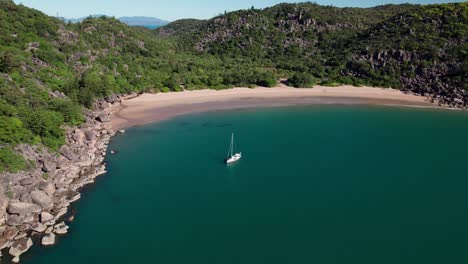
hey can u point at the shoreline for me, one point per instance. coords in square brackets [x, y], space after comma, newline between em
[150, 108]
[37, 209]
[39, 206]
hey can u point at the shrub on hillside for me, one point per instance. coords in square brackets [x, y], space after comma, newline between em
[11, 161]
[301, 80]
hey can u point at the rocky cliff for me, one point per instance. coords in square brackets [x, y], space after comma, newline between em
[34, 203]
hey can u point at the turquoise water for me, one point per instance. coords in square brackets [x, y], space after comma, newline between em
[327, 185]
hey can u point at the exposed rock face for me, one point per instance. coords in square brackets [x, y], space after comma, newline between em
[67, 152]
[113, 99]
[79, 137]
[61, 229]
[46, 217]
[25, 198]
[3, 205]
[49, 166]
[37, 199]
[90, 135]
[38, 227]
[27, 181]
[19, 247]
[23, 208]
[103, 117]
[47, 187]
[10, 232]
[15, 220]
[42, 199]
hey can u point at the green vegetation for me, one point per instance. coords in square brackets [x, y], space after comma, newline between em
[10, 161]
[422, 49]
[301, 80]
[50, 71]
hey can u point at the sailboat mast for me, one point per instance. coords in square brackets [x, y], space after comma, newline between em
[232, 144]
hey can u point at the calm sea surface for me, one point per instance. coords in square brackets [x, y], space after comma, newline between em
[325, 185]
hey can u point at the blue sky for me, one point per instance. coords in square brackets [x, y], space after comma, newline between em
[176, 9]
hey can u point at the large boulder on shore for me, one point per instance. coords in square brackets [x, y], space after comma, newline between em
[67, 152]
[19, 247]
[27, 181]
[42, 199]
[24, 197]
[103, 117]
[79, 136]
[10, 232]
[48, 240]
[90, 134]
[15, 220]
[49, 166]
[112, 99]
[47, 187]
[46, 217]
[38, 227]
[23, 208]
[61, 228]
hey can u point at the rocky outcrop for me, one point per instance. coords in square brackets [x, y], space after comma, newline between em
[103, 117]
[42, 199]
[38, 227]
[19, 247]
[48, 240]
[61, 229]
[38, 199]
[15, 220]
[47, 187]
[67, 152]
[23, 208]
[46, 218]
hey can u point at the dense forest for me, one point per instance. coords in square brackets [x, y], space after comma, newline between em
[421, 49]
[52, 71]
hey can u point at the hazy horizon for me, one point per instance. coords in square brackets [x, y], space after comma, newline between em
[179, 9]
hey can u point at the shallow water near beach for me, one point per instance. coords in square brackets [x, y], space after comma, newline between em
[319, 184]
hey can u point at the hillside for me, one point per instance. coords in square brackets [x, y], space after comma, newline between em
[52, 72]
[415, 48]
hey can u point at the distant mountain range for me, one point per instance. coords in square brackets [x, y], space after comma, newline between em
[149, 22]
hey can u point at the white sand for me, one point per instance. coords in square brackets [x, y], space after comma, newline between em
[149, 108]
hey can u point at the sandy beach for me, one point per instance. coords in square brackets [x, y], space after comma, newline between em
[149, 108]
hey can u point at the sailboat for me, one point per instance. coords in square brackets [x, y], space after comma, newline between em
[231, 156]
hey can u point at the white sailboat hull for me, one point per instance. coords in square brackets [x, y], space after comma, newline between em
[234, 158]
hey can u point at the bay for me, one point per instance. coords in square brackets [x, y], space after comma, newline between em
[333, 184]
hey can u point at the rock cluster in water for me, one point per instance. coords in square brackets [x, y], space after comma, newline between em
[34, 203]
